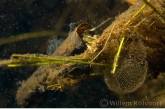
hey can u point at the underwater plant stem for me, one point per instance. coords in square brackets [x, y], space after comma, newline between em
[128, 22]
[24, 60]
[117, 56]
[115, 63]
[4, 62]
[31, 35]
[155, 10]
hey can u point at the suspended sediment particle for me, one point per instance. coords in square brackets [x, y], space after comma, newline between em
[131, 74]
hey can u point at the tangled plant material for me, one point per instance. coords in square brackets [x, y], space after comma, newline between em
[147, 27]
[150, 31]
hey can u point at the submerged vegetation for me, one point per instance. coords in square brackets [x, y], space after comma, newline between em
[129, 50]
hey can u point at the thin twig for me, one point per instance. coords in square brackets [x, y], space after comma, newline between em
[155, 10]
[104, 44]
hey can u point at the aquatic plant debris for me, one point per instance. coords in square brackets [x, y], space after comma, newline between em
[139, 26]
[143, 49]
[48, 75]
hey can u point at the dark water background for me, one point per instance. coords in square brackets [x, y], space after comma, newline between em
[23, 16]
